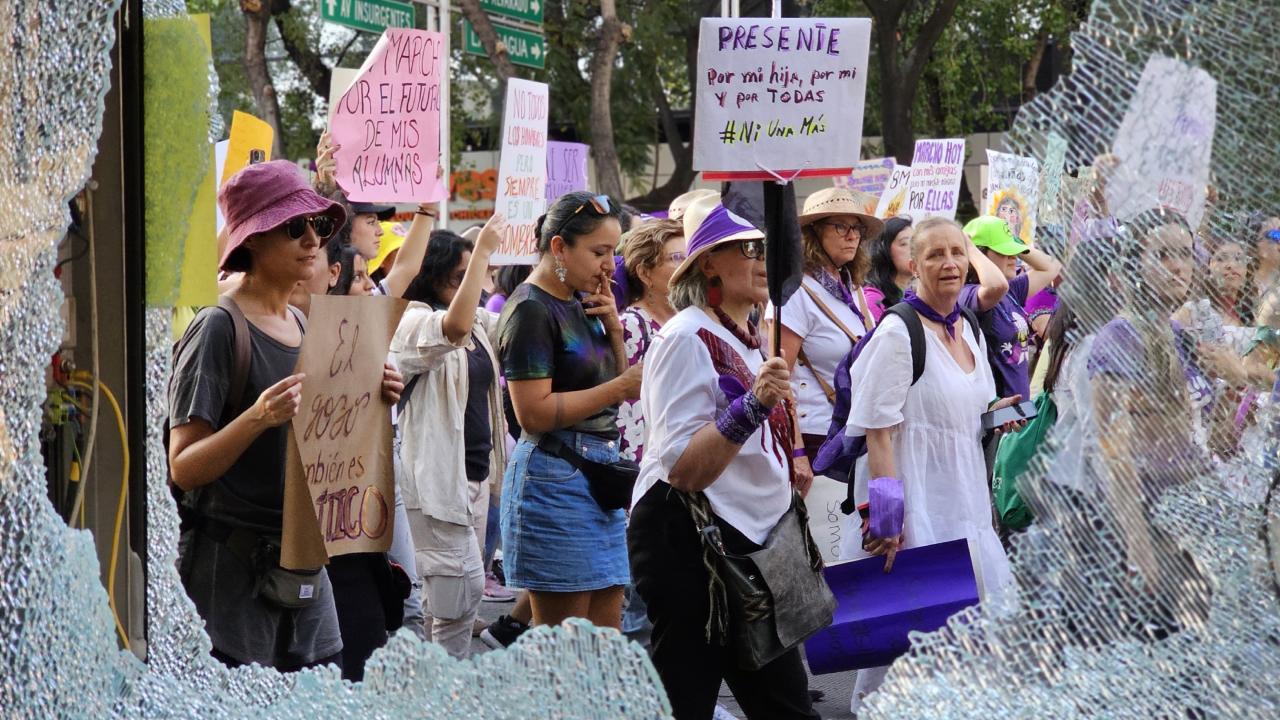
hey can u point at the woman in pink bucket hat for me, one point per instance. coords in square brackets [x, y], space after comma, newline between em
[229, 429]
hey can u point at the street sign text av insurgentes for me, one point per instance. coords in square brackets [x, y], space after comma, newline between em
[369, 15]
[524, 47]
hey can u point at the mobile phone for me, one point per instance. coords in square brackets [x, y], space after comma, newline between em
[1024, 410]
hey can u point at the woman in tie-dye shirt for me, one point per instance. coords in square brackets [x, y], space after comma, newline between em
[562, 351]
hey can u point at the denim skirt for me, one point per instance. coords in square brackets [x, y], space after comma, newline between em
[555, 538]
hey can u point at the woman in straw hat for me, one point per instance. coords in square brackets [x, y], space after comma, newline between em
[716, 424]
[829, 314]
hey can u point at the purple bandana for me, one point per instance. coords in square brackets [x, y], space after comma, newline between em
[949, 322]
[718, 225]
[840, 288]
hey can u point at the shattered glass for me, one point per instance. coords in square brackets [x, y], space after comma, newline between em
[1147, 581]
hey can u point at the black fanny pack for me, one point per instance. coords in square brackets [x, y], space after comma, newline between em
[610, 483]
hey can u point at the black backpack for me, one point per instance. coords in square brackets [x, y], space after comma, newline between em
[839, 452]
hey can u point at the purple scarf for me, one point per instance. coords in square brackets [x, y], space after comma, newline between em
[840, 289]
[949, 322]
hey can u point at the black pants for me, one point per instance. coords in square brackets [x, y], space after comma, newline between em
[668, 573]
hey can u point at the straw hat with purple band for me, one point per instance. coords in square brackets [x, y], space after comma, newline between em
[830, 202]
[265, 196]
[707, 224]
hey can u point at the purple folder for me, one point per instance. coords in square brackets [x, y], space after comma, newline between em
[875, 610]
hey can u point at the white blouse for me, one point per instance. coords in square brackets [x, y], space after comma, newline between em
[937, 446]
[679, 395]
[824, 345]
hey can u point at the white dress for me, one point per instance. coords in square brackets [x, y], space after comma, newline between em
[937, 446]
[937, 452]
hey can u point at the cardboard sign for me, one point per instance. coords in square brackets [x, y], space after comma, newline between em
[250, 140]
[388, 122]
[936, 170]
[1165, 142]
[522, 170]
[566, 168]
[342, 436]
[1013, 189]
[784, 94]
[893, 200]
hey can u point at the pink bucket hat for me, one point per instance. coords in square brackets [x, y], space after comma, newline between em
[265, 196]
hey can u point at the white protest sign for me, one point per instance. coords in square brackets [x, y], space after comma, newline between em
[1013, 189]
[387, 123]
[783, 93]
[826, 522]
[1055, 160]
[522, 170]
[340, 80]
[220, 159]
[893, 200]
[869, 176]
[1165, 142]
[936, 170]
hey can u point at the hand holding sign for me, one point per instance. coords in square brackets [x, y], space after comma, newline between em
[387, 125]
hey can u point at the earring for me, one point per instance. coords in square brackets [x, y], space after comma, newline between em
[714, 294]
[561, 271]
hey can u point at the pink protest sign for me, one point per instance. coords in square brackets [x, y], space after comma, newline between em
[566, 168]
[388, 122]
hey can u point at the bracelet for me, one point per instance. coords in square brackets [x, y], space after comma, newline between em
[742, 418]
[428, 213]
[799, 453]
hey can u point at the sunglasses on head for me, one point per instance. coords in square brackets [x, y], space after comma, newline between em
[322, 224]
[598, 203]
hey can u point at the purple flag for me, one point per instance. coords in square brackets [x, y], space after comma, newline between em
[875, 610]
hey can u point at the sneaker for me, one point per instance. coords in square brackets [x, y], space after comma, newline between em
[502, 632]
[478, 627]
[495, 592]
[496, 570]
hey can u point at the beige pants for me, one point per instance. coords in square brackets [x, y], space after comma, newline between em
[452, 569]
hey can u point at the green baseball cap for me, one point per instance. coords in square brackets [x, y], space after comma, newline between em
[992, 232]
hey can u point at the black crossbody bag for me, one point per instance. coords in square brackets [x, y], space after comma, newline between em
[610, 483]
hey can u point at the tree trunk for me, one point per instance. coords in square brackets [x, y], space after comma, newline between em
[257, 15]
[900, 72]
[603, 151]
[317, 74]
[1033, 67]
[494, 47]
[682, 175]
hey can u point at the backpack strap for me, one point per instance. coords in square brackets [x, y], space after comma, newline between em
[242, 353]
[832, 316]
[915, 333]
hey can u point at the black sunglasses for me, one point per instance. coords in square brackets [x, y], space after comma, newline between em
[599, 203]
[322, 224]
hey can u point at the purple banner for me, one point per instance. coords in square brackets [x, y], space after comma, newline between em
[566, 168]
[875, 610]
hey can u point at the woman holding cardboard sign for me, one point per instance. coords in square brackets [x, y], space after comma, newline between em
[565, 361]
[229, 425]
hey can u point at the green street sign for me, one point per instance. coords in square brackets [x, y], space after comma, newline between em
[524, 47]
[368, 15]
[529, 11]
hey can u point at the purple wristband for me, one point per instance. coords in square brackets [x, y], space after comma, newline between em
[886, 505]
[799, 452]
[742, 418]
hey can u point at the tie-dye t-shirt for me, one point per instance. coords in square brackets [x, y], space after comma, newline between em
[541, 336]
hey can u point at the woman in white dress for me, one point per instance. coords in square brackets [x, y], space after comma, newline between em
[928, 435]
